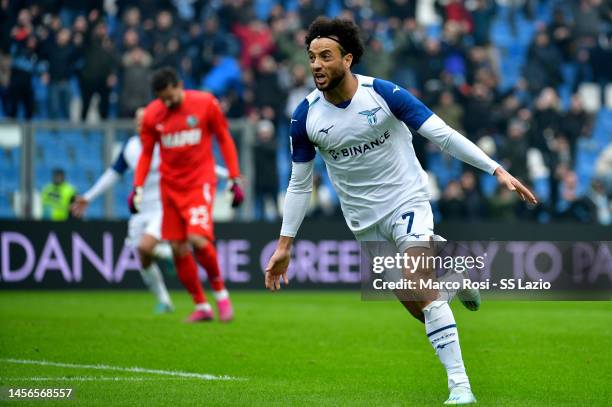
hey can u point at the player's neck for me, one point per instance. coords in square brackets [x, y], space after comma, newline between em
[345, 90]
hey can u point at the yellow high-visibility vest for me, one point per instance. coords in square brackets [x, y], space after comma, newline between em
[56, 201]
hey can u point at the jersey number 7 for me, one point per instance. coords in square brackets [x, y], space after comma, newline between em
[410, 216]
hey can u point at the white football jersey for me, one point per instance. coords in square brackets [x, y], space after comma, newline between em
[128, 158]
[366, 146]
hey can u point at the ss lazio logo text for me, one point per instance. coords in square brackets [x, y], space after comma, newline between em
[371, 115]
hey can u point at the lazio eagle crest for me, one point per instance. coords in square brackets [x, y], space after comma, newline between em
[371, 115]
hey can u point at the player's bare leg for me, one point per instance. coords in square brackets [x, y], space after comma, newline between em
[206, 254]
[441, 330]
[151, 274]
[187, 271]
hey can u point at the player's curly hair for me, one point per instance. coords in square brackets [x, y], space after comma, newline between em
[164, 77]
[345, 32]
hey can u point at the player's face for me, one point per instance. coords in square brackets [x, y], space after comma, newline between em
[328, 65]
[172, 96]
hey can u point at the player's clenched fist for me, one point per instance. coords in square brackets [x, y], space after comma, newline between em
[277, 269]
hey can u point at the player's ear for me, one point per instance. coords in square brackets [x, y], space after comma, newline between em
[347, 60]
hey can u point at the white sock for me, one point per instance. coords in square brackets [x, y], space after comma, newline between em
[155, 282]
[221, 294]
[442, 333]
[203, 307]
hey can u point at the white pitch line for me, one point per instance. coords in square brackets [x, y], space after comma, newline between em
[84, 379]
[134, 369]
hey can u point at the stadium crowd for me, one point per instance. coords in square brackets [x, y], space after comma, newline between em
[250, 54]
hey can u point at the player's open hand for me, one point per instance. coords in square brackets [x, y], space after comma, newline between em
[79, 206]
[277, 269]
[506, 179]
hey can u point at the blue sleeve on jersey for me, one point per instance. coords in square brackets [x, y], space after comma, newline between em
[402, 103]
[120, 165]
[302, 149]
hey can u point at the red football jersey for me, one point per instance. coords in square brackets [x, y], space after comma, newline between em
[184, 134]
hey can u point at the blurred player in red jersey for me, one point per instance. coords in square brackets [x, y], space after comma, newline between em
[183, 122]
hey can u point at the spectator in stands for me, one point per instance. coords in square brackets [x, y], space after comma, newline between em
[514, 152]
[308, 10]
[99, 73]
[454, 12]
[131, 21]
[408, 40]
[430, 65]
[166, 45]
[57, 197]
[453, 205]
[601, 202]
[25, 64]
[571, 205]
[546, 120]
[62, 57]
[560, 32]
[478, 117]
[377, 61]
[256, 42]
[502, 206]
[543, 68]
[482, 16]
[135, 90]
[402, 9]
[266, 177]
[587, 21]
[574, 121]
[6, 15]
[301, 86]
[472, 197]
[449, 111]
[269, 96]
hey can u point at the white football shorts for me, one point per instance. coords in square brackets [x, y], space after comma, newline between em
[148, 222]
[409, 225]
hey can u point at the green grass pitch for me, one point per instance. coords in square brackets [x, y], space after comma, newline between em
[302, 348]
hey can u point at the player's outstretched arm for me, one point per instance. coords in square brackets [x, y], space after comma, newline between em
[452, 142]
[415, 114]
[106, 181]
[506, 179]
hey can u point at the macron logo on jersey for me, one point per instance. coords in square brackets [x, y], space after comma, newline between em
[326, 130]
[182, 138]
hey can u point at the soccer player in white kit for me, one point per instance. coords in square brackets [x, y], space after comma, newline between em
[359, 126]
[144, 227]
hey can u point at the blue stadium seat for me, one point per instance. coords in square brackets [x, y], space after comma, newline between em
[6, 209]
[96, 209]
[488, 185]
[9, 182]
